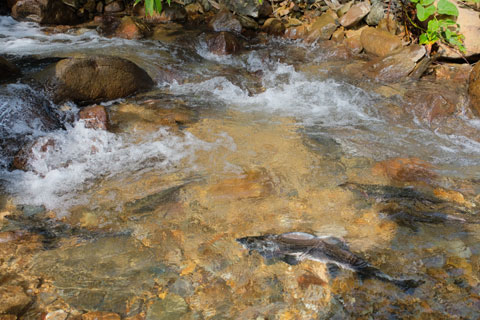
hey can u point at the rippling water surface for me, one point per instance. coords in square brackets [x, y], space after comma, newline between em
[145, 216]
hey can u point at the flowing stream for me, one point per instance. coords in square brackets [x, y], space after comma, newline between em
[261, 142]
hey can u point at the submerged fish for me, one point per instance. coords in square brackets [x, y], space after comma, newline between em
[294, 247]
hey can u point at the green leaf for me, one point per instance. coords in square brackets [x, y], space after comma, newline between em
[158, 6]
[426, 2]
[414, 1]
[433, 25]
[136, 2]
[423, 13]
[149, 7]
[446, 7]
[423, 39]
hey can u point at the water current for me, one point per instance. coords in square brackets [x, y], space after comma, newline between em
[265, 141]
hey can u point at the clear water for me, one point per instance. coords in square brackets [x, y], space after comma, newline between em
[264, 149]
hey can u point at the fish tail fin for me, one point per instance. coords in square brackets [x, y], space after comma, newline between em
[408, 284]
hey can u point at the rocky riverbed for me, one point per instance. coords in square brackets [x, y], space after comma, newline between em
[136, 150]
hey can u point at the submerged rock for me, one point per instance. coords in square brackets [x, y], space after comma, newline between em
[14, 299]
[32, 151]
[100, 315]
[95, 117]
[71, 79]
[8, 70]
[474, 89]
[45, 12]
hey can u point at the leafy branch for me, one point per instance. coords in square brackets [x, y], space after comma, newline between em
[439, 27]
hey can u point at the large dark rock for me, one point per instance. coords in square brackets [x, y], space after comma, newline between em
[45, 12]
[7, 70]
[93, 79]
[223, 43]
[474, 89]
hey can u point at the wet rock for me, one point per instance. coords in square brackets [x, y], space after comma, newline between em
[274, 27]
[107, 25]
[224, 20]
[250, 8]
[8, 70]
[474, 89]
[379, 42]
[14, 299]
[395, 66]
[253, 185]
[356, 13]
[31, 152]
[223, 43]
[113, 7]
[131, 28]
[170, 308]
[8, 317]
[322, 29]
[376, 13]
[469, 21]
[100, 315]
[45, 12]
[295, 33]
[405, 170]
[95, 117]
[56, 315]
[431, 106]
[70, 79]
[456, 72]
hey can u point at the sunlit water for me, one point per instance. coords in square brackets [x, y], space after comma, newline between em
[263, 149]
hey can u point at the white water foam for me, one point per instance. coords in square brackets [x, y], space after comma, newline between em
[80, 156]
[27, 38]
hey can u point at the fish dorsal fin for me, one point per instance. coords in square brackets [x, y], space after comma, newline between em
[297, 236]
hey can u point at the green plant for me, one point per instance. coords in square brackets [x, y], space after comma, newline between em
[440, 27]
[152, 6]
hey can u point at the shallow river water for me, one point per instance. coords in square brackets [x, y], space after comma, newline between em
[271, 140]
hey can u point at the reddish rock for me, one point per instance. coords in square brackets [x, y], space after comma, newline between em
[338, 35]
[454, 71]
[274, 27]
[115, 77]
[95, 117]
[14, 299]
[379, 42]
[474, 89]
[115, 6]
[100, 315]
[30, 152]
[405, 170]
[44, 11]
[354, 44]
[322, 29]
[295, 33]
[356, 13]
[223, 43]
[224, 20]
[131, 28]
